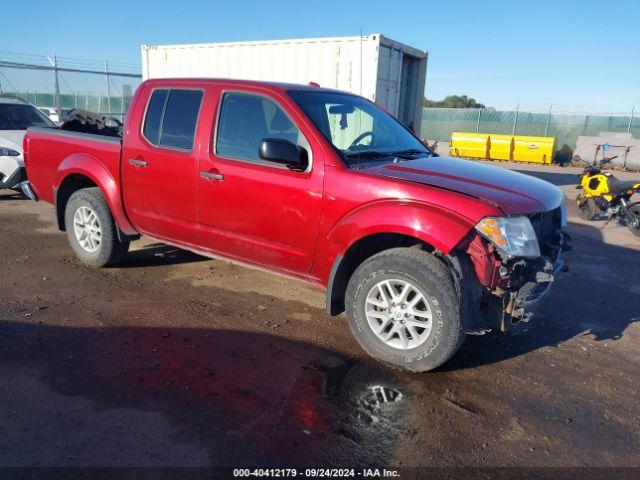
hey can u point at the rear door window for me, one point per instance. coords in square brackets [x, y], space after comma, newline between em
[153, 118]
[180, 119]
[172, 116]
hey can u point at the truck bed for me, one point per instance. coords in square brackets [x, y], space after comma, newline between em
[49, 151]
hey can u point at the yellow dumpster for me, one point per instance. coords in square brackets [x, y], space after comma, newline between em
[518, 148]
[500, 147]
[533, 149]
[470, 145]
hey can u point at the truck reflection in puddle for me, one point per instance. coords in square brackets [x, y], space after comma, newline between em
[350, 412]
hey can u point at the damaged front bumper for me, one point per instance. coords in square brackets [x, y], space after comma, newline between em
[530, 282]
[509, 291]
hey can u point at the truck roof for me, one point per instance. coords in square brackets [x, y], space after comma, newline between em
[276, 86]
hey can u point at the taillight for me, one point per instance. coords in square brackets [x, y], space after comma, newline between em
[25, 149]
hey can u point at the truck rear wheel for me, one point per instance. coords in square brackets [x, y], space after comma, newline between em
[402, 308]
[91, 229]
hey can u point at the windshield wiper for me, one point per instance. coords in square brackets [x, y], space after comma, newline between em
[367, 154]
[410, 151]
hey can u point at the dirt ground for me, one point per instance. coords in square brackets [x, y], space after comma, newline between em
[176, 360]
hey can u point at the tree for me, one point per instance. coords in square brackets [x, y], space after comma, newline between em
[453, 101]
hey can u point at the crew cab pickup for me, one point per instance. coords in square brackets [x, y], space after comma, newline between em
[317, 184]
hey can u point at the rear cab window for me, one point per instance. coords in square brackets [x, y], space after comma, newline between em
[171, 118]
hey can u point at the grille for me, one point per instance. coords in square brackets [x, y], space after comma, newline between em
[546, 224]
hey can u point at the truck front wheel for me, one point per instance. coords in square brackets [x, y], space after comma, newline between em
[402, 308]
[91, 229]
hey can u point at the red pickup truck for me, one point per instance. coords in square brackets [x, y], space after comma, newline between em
[317, 184]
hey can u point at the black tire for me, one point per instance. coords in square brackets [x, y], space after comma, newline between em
[110, 249]
[635, 211]
[431, 277]
[586, 207]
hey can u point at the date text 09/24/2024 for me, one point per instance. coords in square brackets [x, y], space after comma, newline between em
[315, 473]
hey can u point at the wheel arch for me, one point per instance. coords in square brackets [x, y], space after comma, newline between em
[382, 226]
[69, 185]
[344, 265]
[73, 175]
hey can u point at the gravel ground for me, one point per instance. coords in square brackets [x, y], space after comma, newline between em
[177, 360]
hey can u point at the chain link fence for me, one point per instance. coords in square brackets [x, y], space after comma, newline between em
[59, 84]
[438, 123]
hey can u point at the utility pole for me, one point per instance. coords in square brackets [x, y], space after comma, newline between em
[57, 86]
[630, 119]
[546, 128]
[515, 119]
[106, 71]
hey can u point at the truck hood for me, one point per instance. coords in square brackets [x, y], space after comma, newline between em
[12, 139]
[514, 193]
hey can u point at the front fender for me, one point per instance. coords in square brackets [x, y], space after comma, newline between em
[92, 168]
[434, 225]
[441, 228]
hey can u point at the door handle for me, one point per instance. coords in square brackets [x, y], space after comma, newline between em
[138, 163]
[212, 176]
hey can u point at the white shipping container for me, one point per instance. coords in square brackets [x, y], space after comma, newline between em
[385, 71]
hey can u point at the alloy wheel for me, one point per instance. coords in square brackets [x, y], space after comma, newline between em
[398, 314]
[86, 227]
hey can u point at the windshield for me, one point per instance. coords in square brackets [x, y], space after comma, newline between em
[361, 131]
[18, 116]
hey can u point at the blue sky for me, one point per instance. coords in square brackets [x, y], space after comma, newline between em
[575, 55]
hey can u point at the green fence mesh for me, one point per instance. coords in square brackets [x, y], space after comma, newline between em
[93, 103]
[438, 123]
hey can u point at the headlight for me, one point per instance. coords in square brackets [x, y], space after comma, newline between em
[513, 235]
[8, 152]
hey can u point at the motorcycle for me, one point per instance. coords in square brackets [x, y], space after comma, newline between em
[604, 193]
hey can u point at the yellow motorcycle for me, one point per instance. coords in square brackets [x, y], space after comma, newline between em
[604, 193]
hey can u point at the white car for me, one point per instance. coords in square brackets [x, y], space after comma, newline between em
[15, 117]
[52, 113]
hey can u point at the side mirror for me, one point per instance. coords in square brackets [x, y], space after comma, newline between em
[282, 151]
